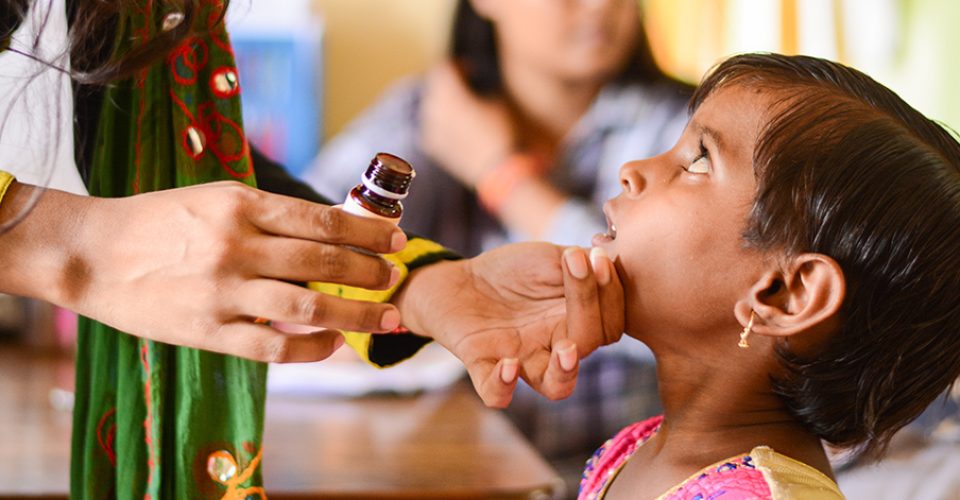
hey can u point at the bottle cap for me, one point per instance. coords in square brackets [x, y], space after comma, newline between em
[389, 176]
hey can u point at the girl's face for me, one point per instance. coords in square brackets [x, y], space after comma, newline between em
[570, 39]
[676, 228]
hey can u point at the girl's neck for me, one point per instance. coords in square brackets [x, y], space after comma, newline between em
[715, 412]
[546, 107]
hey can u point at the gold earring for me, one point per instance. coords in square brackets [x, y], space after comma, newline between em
[743, 344]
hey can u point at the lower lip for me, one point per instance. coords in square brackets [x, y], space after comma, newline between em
[601, 239]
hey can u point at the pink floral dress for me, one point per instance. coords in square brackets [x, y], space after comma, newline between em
[736, 478]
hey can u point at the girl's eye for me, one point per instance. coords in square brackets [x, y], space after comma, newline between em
[700, 164]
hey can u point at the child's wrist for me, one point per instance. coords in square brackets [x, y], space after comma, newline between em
[498, 183]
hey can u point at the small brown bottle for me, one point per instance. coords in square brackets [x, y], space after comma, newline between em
[382, 187]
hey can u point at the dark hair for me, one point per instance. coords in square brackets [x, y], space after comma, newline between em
[473, 44]
[94, 27]
[11, 16]
[847, 169]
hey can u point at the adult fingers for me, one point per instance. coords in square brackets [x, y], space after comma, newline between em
[495, 382]
[611, 295]
[263, 343]
[584, 319]
[301, 219]
[302, 260]
[279, 301]
[560, 378]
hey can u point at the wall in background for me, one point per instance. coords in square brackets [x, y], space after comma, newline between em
[368, 44]
[906, 44]
[909, 45]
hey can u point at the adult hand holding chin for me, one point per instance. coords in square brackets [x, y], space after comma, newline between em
[529, 310]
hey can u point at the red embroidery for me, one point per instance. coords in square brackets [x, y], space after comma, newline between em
[249, 447]
[106, 433]
[224, 137]
[215, 18]
[190, 56]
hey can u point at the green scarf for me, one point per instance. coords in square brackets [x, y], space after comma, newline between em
[151, 420]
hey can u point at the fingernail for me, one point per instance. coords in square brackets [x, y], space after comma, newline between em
[601, 265]
[398, 241]
[390, 320]
[338, 342]
[394, 277]
[568, 357]
[576, 262]
[508, 371]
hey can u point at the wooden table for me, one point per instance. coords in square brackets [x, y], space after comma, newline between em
[438, 445]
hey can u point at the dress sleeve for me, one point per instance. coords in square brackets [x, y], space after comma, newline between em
[386, 350]
[5, 180]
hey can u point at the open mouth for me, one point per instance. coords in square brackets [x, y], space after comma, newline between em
[608, 236]
[611, 227]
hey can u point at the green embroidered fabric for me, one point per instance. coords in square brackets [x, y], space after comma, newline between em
[152, 420]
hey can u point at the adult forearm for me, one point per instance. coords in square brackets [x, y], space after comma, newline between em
[197, 266]
[42, 255]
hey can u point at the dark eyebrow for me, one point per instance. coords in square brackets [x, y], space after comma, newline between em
[715, 136]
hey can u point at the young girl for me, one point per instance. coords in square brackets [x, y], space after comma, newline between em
[809, 209]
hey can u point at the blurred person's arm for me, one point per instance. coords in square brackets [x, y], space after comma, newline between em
[474, 139]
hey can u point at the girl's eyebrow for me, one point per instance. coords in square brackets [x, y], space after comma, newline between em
[714, 135]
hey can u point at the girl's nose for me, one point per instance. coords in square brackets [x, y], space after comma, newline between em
[631, 178]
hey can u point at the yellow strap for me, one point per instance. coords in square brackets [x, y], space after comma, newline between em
[416, 249]
[5, 180]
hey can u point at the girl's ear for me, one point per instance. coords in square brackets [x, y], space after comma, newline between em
[801, 296]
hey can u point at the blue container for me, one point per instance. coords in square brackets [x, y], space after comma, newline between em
[281, 75]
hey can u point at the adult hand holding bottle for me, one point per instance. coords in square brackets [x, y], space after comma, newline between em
[196, 266]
